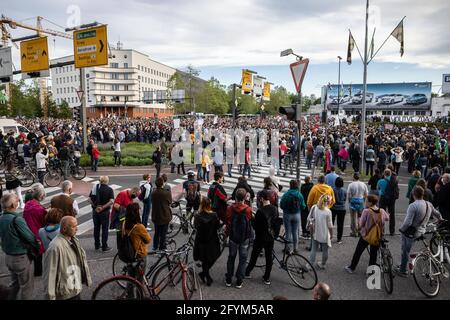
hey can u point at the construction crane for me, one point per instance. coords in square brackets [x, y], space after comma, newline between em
[6, 22]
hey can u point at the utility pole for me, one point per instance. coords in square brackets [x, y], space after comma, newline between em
[339, 83]
[83, 107]
[363, 113]
[299, 130]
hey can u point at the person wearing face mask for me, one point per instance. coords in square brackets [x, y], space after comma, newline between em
[123, 199]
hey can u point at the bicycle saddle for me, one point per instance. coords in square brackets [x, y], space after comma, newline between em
[175, 204]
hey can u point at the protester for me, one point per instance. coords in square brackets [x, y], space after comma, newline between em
[64, 202]
[356, 194]
[145, 195]
[161, 214]
[338, 210]
[52, 226]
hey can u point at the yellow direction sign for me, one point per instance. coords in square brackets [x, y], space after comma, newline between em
[90, 47]
[247, 81]
[34, 55]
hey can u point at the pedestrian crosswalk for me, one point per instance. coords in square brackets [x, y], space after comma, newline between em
[256, 181]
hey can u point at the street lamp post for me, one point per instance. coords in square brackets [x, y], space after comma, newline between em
[339, 83]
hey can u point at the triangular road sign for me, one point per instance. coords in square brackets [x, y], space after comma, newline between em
[80, 94]
[298, 70]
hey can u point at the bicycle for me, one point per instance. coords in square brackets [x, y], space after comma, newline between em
[125, 287]
[77, 172]
[429, 267]
[386, 263]
[180, 221]
[120, 268]
[299, 269]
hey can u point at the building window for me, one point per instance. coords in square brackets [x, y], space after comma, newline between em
[125, 64]
[114, 76]
[125, 76]
[139, 67]
[114, 65]
[115, 87]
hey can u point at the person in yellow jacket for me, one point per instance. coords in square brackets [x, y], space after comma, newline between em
[318, 190]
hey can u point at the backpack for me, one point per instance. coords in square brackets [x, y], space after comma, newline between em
[293, 204]
[240, 229]
[154, 156]
[125, 247]
[374, 235]
[192, 192]
[142, 192]
[211, 196]
[392, 191]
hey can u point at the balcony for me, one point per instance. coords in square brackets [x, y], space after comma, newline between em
[114, 104]
[103, 92]
[114, 81]
[114, 70]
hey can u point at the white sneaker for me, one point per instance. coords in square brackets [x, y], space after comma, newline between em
[347, 268]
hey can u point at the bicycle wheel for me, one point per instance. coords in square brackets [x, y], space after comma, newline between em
[426, 275]
[52, 178]
[112, 289]
[301, 271]
[191, 286]
[165, 282]
[174, 226]
[386, 269]
[27, 178]
[77, 172]
[119, 268]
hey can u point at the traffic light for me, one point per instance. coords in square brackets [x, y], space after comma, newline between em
[324, 117]
[76, 113]
[290, 112]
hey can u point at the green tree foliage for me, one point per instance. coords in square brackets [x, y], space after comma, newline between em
[213, 98]
[278, 97]
[65, 112]
[176, 82]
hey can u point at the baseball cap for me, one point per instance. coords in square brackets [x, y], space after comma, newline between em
[191, 173]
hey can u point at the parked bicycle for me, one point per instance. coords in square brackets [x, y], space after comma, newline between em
[181, 221]
[428, 267]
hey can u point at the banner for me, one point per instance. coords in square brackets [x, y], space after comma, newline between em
[257, 86]
[246, 81]
[176, 123]
[266, 93]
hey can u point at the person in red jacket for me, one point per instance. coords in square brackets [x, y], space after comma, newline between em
[95, 156]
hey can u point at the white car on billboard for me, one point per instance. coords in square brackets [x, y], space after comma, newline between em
[392, 98]
[357, 98]
[343, 99]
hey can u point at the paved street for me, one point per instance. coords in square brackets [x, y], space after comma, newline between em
[345, 286]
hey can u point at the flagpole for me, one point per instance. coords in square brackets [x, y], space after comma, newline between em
[373, 56]
[363, 113]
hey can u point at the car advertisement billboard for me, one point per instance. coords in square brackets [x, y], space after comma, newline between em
[381, 95]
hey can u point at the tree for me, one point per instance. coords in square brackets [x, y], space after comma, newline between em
[176, 82]
[52, 108]
[65, 112]
[278, 97]
[213, 98]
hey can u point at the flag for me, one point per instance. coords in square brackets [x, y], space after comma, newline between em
[351, 45]
[398, 34]
[437, 144]
[372, 45]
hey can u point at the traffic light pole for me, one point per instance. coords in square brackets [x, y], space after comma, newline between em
[83, 107]
[234, 106]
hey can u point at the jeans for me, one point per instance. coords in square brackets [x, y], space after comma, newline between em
[340, 214]
[41, 175]
[101, 221]
[230, 167]
[360, 247]
[397, 167]
[22, 278]
[158, 169]
[218, 168]
[146, 211]
[257, 247]
[390, 208]
[343, 165]
[65, 165]
[181, 165]
[309, 161]
[92, 163]
[243, 251]
[369, 167]
[205, 175]
[291, 224]
[117, 158]
[324, 247]
[406, 249]
[159, 239]
[304, 219]
[95, 165]
[199, 171]
[246, 169]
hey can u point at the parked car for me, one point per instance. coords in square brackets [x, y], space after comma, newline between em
[10, 125]
[417, 98]
[393, 98]
[343, 99]
[357, 98]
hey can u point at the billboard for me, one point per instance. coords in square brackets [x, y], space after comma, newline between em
[381, 95]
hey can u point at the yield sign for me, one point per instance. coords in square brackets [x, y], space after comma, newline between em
[80, 94]
[298, 70]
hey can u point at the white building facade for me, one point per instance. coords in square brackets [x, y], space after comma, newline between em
[114, 89]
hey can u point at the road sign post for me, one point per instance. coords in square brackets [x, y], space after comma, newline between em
[6, 67]
[298, 70]
[90, 47]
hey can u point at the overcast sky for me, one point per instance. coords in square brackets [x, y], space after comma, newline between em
[221, 38]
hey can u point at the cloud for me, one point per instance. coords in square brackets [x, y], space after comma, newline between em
[253, 32]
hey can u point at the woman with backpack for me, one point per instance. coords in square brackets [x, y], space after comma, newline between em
[207, 243]
[321, 228]
[372, 217]
[293, 205]
[338, 209]
[138, 235]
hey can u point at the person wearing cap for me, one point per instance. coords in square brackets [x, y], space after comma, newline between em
[191, 192]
